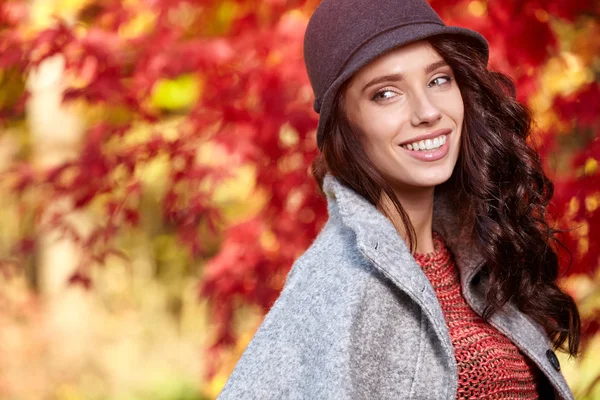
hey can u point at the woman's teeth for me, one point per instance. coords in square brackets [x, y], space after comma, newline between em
[429, 144]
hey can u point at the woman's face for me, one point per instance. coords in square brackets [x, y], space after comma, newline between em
[410, 111]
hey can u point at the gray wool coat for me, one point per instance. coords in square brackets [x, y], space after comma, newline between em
[358, 319]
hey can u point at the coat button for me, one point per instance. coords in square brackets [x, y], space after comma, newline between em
[553, 359]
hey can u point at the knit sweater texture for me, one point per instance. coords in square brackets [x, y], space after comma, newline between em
[489, 365]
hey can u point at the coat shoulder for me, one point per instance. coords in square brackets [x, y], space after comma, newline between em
[309, 344]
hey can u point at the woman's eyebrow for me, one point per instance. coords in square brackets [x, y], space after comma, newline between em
[400, 76]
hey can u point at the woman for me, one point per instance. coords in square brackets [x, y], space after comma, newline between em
[435, 274]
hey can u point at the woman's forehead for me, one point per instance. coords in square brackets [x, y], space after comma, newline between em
[414, 57]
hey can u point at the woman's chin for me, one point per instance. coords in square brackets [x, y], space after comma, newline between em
[425, 177]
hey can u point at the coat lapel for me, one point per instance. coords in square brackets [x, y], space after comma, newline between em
[379, 241]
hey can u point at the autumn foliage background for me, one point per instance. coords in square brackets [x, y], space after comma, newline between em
[155, 187]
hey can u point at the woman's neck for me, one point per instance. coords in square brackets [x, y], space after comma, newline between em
[418, 204]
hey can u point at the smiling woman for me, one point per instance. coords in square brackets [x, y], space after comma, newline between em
[410, 99]
[435, 274]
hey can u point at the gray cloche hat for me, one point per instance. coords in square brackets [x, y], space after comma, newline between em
[344, 35]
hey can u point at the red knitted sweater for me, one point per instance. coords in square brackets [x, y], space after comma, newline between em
[489, 364]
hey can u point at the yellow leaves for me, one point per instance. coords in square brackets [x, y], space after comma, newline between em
[223, 16]
[591, 166]
[210, 153]
[155, 176]
[583, 245]
[226, 11]
[562, 75]
[576, 74]
[132, 3]
[180, 93]
[167, 248]
[237, 196]
[70, 5]
[142, 23]
[98, 112]
[42, 12]
[582, 232]
[580, 286]
[567, 72]
[184, 15]
[592, 202]
[291, 163]
[581, 229]
[582, 373]
[268, 241]
[573, 207]
[294, 201]
[288, 136]
[477, 8]
[237, 188]
[275, 57]
[580, 38]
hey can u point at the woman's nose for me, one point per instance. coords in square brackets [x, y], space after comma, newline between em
[424, 111]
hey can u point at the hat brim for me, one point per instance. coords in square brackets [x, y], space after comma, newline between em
[382, 44]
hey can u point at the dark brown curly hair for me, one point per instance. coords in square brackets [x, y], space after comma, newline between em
[500, 183]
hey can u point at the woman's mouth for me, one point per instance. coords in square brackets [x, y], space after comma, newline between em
[426, 145]
[429, 149]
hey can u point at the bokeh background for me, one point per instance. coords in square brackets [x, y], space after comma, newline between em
[155, 187]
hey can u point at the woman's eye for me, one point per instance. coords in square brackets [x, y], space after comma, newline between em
[379, 95]
[441, 80]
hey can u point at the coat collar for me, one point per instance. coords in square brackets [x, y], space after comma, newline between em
[379, 241]
[375, 230]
